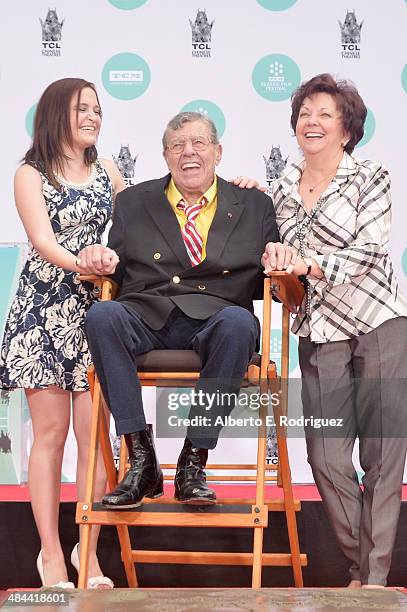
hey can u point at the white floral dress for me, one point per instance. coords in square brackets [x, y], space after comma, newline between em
[44, 341]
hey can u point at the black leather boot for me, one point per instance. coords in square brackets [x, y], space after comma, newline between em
[190, 477]
[143, 479]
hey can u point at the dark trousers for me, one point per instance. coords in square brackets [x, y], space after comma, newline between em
[116, 335]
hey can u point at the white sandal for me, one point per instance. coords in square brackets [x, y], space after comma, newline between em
[62, 584]
[96, 581]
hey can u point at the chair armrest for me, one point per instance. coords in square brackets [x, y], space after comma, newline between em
[105, 287]
[286, 288]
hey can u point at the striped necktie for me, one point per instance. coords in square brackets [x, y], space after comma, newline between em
[192, 238]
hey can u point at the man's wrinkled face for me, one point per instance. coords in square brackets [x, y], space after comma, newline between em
[191, 157]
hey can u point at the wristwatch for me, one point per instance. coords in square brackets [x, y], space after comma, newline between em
[308, 262]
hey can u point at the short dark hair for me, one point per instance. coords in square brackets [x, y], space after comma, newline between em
[347, 98]
[52, 127]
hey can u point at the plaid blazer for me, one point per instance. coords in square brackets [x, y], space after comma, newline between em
[348, 239]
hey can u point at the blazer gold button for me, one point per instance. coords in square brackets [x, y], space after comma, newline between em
[157, 255]
[201, 287]
[226, 272]
[176, 279]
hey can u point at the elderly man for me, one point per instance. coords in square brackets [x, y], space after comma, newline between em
[190, 247]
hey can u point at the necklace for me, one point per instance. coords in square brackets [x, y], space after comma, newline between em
[329, 176]
[87, 183]
[305, 225]
[301, 229]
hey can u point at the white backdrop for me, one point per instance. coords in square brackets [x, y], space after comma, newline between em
[241, 73]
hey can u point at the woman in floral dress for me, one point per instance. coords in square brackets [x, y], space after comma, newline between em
[64, 196]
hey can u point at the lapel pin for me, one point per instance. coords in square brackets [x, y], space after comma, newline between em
[230, 215]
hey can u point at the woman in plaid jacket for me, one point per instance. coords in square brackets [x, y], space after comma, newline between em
[333, 215]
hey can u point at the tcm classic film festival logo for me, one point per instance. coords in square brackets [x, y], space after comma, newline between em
[275, 77]
[350, 35]
[201, 35]
[126, 164]
[275, 164]
[51, 34]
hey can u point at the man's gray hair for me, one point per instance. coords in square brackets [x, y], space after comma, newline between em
[177, 122]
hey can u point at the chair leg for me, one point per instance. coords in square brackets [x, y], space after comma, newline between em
[90, 479]
[106, 447]
[84, 556]
[260, 490]
[113, 478]
[257, 557]
[125, 546]
[286, 483]
[284, 462]
[290, 510]
[123, 530]
[100, 435]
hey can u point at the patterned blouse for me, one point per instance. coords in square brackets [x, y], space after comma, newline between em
[44, 340]
[348, 239]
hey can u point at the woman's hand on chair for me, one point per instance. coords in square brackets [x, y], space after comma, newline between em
[278, 256]
[97, 259]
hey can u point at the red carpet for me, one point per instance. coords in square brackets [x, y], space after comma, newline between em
[68, 492]
[307, 492]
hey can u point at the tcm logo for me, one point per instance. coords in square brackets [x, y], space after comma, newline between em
[350, 36]
[201, 35]
[51, 33]
[126, 76]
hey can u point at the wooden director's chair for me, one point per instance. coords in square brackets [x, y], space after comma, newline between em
[249, 513]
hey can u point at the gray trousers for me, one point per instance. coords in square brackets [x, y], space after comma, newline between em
[362, 381]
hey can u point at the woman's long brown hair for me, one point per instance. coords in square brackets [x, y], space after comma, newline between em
[52, 128]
